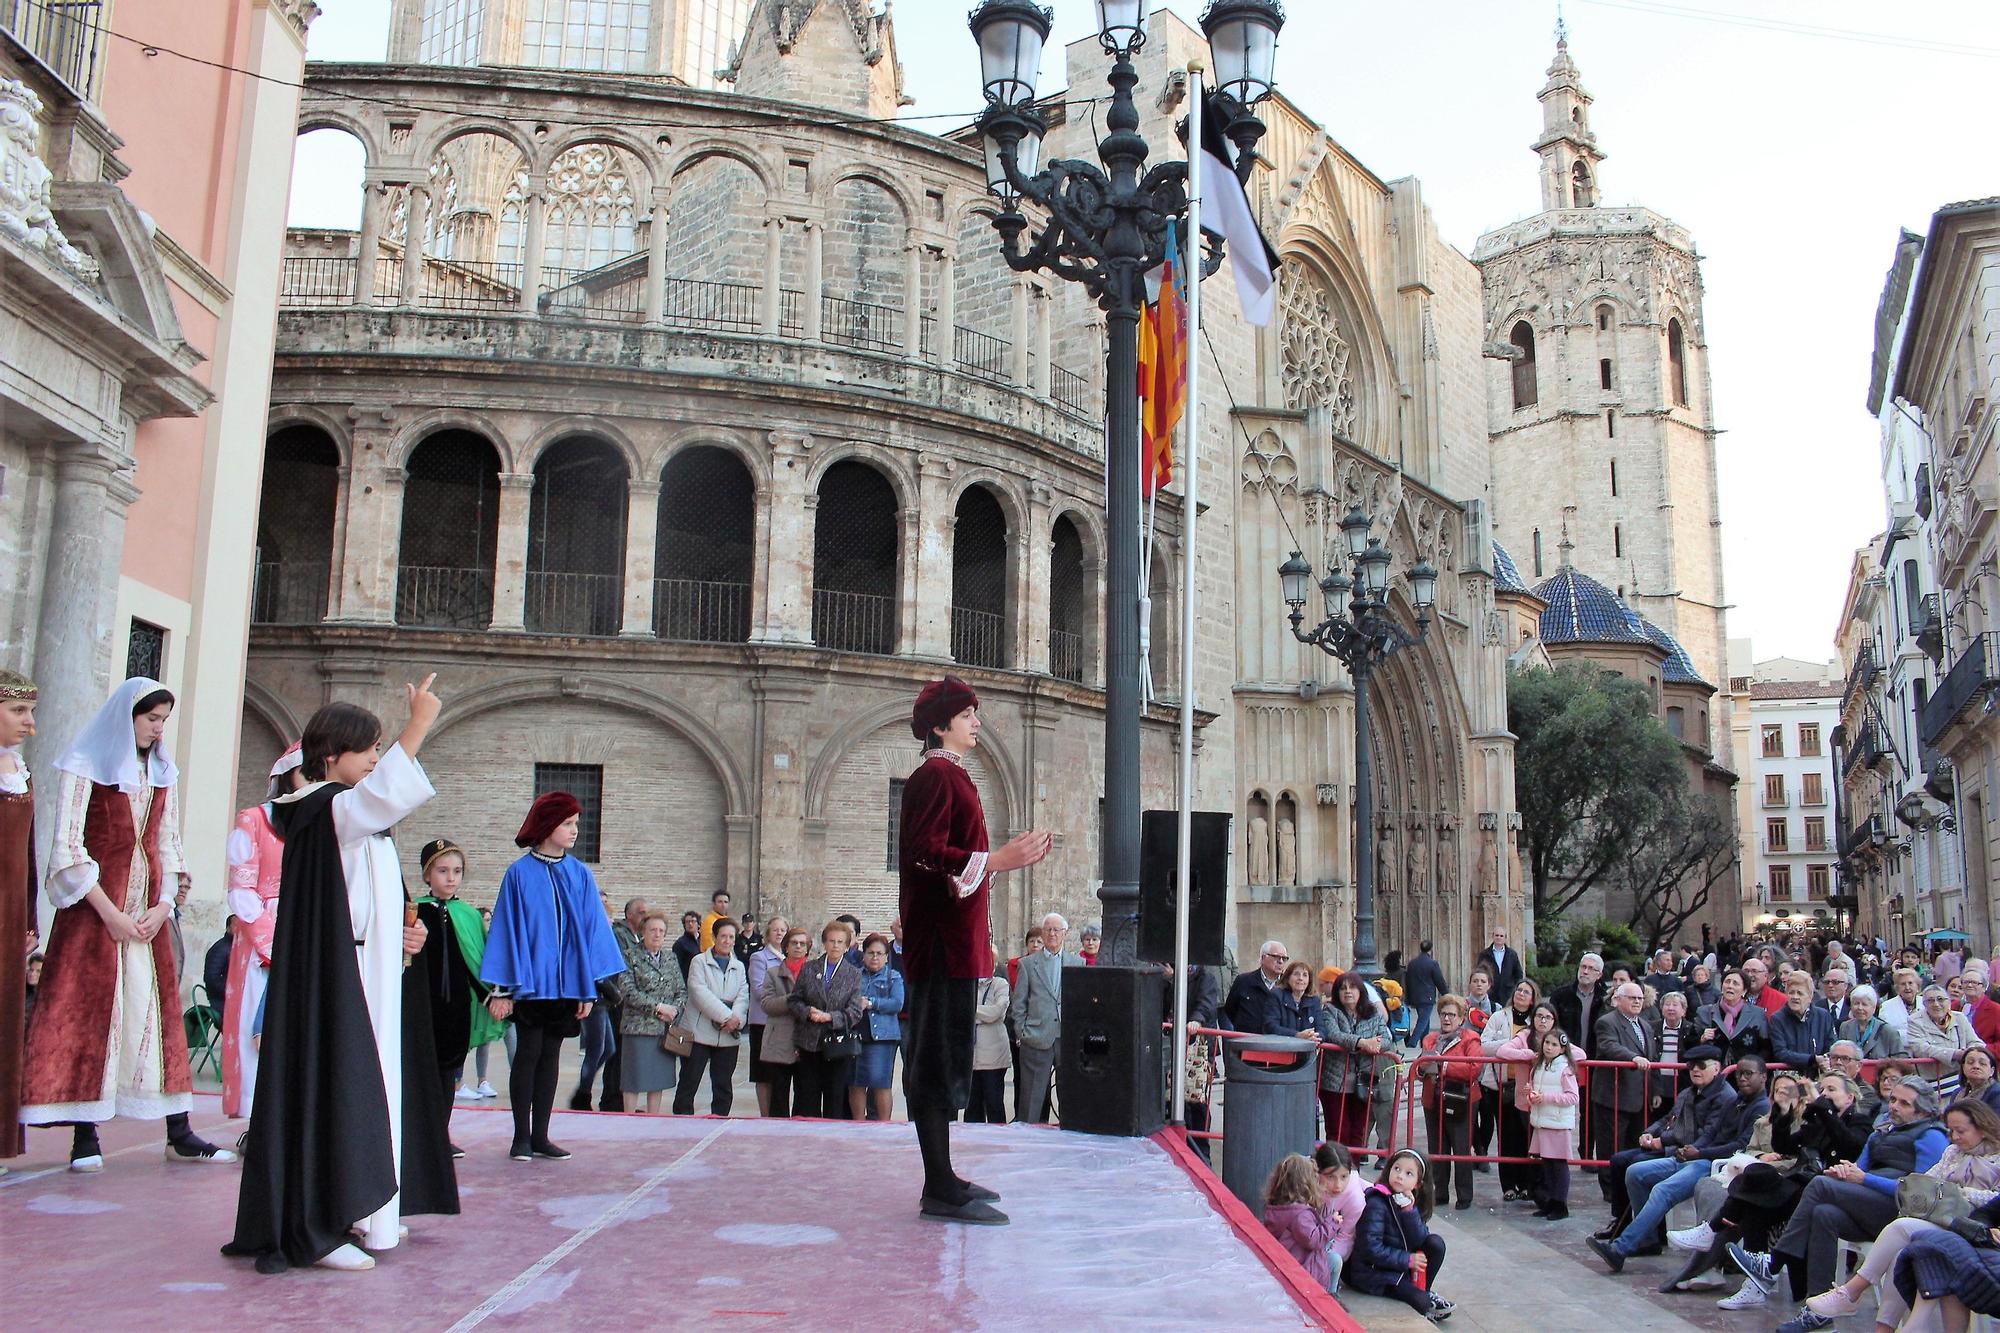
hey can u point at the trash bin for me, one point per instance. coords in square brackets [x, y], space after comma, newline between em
[1270, 1108]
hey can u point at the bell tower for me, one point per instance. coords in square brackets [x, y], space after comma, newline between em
[1568, 146]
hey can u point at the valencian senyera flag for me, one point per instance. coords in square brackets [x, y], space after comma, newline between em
[1163, 364]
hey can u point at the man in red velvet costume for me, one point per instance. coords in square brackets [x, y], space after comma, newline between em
[946, 871]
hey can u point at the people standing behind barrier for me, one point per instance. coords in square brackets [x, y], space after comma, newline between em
[1702, 988]
[1357, 1032]
[1037, 1009]
[1876, 1037]
[1836, 990]
[1661, 979]
[1204, 1010]
[1550, 1091]
[1294, 1010]
[1899, 1008]
[826, 1003]
[1395, 1252]
[1506, 964]
[1517, 1178]
[779, 1053]
[870, 1094]
[1479, 1001]
[1580, 1002]
[655, 994]
[718, 1007]
[1982, 1010]
[1802, 1031]
[1733, 1023]
[1298, 1215]
[1448, 1076]
[1758, 988]
[988, 1103]
[1619, 1096]
[1246, 1009]
[770, 952]
[1674, 1031]
[1423, 982]
[1347, 1194]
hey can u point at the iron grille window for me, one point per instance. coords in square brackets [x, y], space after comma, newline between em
[586, 783]
[703, 554]
[896, 786]
[576, 540]
[295, 527]
[451, 524]
[1069, 603]
[979, 580]
[145, 650]
[854, 561]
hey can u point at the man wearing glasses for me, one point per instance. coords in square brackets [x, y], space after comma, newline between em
[1845, 1058]
[1249, 1002]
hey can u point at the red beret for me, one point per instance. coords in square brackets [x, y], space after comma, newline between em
[940, 702]
[549, 810]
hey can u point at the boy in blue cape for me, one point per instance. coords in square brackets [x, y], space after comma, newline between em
[548, 947]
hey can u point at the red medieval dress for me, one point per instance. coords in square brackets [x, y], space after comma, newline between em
[17, 918]
[106, 1038]
[944, 894]
[256, 854]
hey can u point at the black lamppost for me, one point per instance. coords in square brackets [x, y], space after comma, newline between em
[1361, 633]
[1105, 228]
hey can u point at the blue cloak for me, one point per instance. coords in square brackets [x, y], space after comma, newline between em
[550, 939]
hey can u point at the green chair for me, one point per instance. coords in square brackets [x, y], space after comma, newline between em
[204, 1033]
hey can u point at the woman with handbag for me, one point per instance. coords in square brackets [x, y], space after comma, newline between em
[1974, 1153]
[718, 1006]
[826, 1005]
[780, 1053]
[1357, 1031]
[655, 994]
[1448, 1073]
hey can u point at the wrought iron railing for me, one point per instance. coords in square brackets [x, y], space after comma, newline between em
[444, 596]
[978, 638]
[1862, 673]
[471, 284]
[694, 611]
[861, 324]
[982, 354]
[791, 314]
[1070, 390]
[595, 294]
[1927, 625]
[284, 593]
[311, 280]
[854, 622]
[560, 602]
[1066, 650]
[388, 277]
[735, 307]
[62, 34]
[1970, 677]
[1866, 747]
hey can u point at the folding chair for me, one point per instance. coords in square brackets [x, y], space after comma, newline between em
[204, 1033]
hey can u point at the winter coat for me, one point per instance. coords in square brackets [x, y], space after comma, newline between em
[1383, 1244]
[650, 979]
[1797, 1042]
[1752, 1035]
[1305, 1232]
[1288, 1015]
[1878, 1041]
[1517, 1050]
[839, 998]
[1423, 982]
[715, 995]
[1929, 1041]
[1348, 1070]
[780, 1044]
[1557, 1085]
[989, 1042]
[1436, 1069]
[1499, 1029]
[884, 992]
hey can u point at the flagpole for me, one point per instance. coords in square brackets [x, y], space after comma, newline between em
[1183, 841]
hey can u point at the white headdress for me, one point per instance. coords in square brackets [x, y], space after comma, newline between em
[105, 751]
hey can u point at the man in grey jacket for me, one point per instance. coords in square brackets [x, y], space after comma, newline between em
[1036, 1009]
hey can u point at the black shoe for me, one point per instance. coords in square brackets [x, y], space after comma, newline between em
[579, 1100]
[973, 1212]
[977, 1193]
[521, 1152]
[1464, 1203]
[1541, 1210]
[457, 1152]
[1609, 1231]
[552, 1152]
[1612, 1259]
[1483, 1168]
[1558, 1212]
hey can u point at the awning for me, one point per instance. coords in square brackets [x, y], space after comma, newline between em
[1946, 934]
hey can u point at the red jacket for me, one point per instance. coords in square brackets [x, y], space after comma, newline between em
[1985, 1016]
[943, 846]
[1770, 1000]
[1463, 1042]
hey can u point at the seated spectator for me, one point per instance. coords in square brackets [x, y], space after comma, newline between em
[1450, 1092]
[1867, 1029]
[1654, 1185]
[1937, 1031]
[1298, 1215]
[1734, 1024]
[1849, 1201]
[1898, 1008]
[1801, 1031]
[779, 1052]
[1293, 1010]
[1347, 1194]
[870, 1094]
[1945, 1277]
[1687, 1122]
[1975, 1074]
[1395, 1252]
[1888, 1074]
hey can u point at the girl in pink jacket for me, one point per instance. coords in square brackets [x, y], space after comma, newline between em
[1298, 1215]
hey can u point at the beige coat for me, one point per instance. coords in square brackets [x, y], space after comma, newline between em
[989, 1049]
[780, 1045]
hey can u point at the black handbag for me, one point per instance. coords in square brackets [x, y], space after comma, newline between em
[842, 1045]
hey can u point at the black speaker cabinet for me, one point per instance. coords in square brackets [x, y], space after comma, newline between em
[1158, 842]
[1111, 1070]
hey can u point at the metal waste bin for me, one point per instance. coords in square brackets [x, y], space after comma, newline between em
[1270, 1108]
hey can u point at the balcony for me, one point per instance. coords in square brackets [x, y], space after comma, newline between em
[1867, 746]
[978, 638]
[1066, 650]
[854, 622]
[1779, 801]
[444, 597]
[1927, 625]
[692, 611]
[288, 593]
[62, 34]
[1923, 488]
[1975, 673]
[588, 605]
[1940, 778]
[1870, 832]
[1866, 668]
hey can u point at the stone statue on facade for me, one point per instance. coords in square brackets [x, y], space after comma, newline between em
[1260, 850]
[1288, 853]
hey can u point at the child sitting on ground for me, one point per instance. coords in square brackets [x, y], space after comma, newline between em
[1395, 1252]
[1299, 1217]
[1341, 1186]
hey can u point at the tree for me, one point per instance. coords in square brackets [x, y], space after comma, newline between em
[1593, 770]
[1688, 850]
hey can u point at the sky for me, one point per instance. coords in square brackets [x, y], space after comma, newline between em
[1794, 139]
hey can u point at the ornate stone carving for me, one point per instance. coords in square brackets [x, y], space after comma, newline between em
[24, 185]
[1317, 372]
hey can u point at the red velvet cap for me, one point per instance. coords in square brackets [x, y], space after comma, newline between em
[549, 810]
[940, 702]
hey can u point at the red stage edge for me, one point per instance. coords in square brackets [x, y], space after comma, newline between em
[1307, 1294]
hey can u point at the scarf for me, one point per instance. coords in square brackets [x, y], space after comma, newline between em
[470, 932]
[795, 966]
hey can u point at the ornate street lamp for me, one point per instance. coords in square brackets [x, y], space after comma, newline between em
[1105, 228]
[1361, 633]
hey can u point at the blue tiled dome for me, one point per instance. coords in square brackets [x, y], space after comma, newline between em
[1582, 610]
[1506, 574]
[1679, 667]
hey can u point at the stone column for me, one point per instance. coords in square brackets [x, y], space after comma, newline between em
[642, 517]
[369, 242]
[373, 534]
[815, 279]
[1023, 293]
[784, 610]
[931, 577]
[535, 207]
[656, 256]
[343, 478]
[510, 552]
[413, 244]
[787, 874]
[773, 296]
[1031, 589]
[1039, 377]
[945, 353]
[913, 298]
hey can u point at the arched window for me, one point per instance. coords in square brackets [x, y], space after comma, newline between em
[856, 587]
[1604, 317]
[576, 539]
[1677, 366]
[702, 555]
[1069, 604]
[979, 580]
[295, 527]
[1526, 389]
[1580, 191]
[1538, 552]
[451, 522]
[591, 212]
[1163, 630]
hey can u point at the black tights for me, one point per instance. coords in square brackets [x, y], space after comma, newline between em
[531, 1082]
[1406, 1289]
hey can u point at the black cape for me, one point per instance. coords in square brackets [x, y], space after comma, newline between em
[318, 1158]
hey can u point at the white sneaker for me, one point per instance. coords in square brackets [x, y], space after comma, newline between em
[1749, 1296]
[486, 1089]
[348, 1259]
[87, 1165]
[1695, 1239]
[468, 1094]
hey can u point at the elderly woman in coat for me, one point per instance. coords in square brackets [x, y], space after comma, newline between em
[1939, 1032]
[990, 1053]
[780, 1054]
[718, 1008]
[1866, 1028]
[827, 1006]
[655, 994]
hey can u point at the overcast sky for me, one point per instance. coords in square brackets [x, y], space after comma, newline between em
[1794, 139]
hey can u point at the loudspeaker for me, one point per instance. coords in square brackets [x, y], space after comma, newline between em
[1159, 840]
[1111, 1071]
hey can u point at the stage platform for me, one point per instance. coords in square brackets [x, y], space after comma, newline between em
[660, 1222]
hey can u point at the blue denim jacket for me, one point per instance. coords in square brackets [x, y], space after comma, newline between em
[884, 992]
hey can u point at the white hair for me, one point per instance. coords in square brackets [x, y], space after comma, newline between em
[1591, 958]
[1056, 917]
[1269, 945]
[1860, 993]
